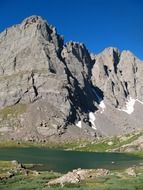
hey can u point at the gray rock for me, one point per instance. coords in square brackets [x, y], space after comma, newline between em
[118, 76]
[57, 85]
[52, 80]
[76, 176]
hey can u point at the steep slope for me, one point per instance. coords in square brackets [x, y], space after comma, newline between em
[119, 77]
[49, 80]
[52, 90]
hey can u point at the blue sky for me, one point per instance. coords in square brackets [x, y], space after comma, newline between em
[96, 23]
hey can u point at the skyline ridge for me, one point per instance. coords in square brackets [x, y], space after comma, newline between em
[98, 24]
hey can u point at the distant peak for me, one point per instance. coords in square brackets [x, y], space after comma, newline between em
[127, 53]
[111, 50]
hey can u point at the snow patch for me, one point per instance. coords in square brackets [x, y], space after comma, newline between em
[102, 106]
[79, 124]
[129, 106]
[92, 119]
[94, 127]
[92, 116]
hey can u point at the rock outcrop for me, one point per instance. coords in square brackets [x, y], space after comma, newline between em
[78, 175]
[50, 89]
[135, 145]
[119, 78]
[118, 75]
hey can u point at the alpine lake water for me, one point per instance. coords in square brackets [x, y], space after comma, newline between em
[63, 161]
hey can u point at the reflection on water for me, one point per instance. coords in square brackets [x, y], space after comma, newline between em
[63, 161]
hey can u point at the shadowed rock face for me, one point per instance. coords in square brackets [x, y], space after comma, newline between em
[65, 90]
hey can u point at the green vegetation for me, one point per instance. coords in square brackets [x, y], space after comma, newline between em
[30, 182]
[52, 145]
[21, 180]
[137, 153]
[102, 183]
[117, 183]
[106, 144]
[118, 180]
[5, 164]
[39, 181]
[109, 144]
[12, 111]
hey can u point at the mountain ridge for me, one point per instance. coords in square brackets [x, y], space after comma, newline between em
[66, 92]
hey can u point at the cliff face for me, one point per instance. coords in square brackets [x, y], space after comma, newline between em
[50, 89]
[118, 75]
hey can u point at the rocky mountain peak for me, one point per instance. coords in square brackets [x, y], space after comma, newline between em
[63, 90]
[32, 20]
[48, 32]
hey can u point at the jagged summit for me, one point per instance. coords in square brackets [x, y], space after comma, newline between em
[52, 89]
[33, 19]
